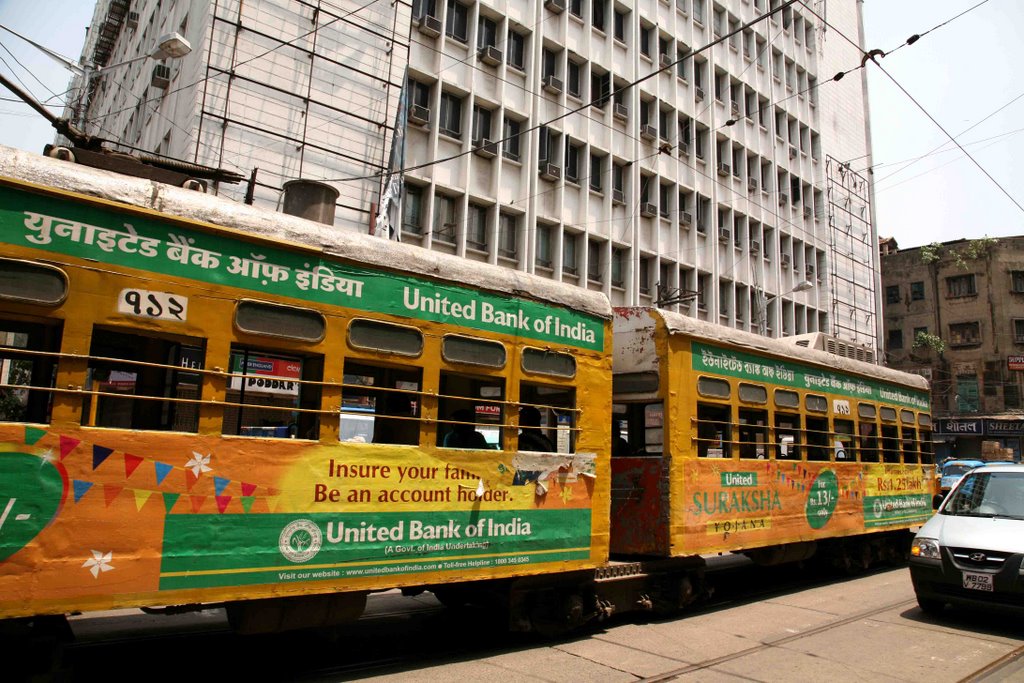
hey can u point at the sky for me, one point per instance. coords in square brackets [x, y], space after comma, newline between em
[965, 75]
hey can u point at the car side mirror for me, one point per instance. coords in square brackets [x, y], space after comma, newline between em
[937, 500]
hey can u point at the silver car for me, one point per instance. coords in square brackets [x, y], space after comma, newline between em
[970, 553]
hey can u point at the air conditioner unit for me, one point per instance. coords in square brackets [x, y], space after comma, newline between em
[550, 172]
[419, 115]
[723, 168]
[485, 148]
[810, 270]
[752, 184]
[429, 26]
[552, 84]
[684, 149]
[784, 260]
[699, 92]
[665, 60]
[618, 197]
[648, 210]
[490, 55]
[161, 76]
[621, 111]
[755, 247]
[556, 6]
[724, 234]
[792, 152]
[648, 132]
[132, 22]
[783, 199]
[808, 212]
[735, 109]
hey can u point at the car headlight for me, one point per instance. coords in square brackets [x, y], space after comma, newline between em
[925, 547]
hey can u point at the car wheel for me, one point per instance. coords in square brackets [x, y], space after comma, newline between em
[930, 606]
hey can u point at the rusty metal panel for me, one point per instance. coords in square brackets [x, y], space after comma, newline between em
[640, 511]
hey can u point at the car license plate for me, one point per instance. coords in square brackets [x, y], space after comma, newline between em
[978, 582]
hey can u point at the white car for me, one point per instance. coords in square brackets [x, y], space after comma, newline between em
[970, 553]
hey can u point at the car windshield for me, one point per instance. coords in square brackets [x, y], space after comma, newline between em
[956, 469]
[988, 494]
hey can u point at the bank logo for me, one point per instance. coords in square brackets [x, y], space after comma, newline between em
[300, 541]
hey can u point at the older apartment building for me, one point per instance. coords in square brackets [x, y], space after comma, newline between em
[683, 153]
[954, 313]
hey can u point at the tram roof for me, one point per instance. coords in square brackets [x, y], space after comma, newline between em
[274, 226]
[676, 323]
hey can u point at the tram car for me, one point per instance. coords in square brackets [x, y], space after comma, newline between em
[205, 403]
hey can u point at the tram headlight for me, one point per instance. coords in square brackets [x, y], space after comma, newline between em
[925, 547]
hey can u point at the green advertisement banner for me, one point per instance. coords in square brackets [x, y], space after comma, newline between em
[880, 511]
[707, 358]
[202, 551]
[65, 226]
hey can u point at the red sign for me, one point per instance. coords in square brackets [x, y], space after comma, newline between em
[1015, 362]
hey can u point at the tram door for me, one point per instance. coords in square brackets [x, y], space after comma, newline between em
[640, 490]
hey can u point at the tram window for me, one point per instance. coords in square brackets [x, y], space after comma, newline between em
[474, 404]
[816, 403]
[927, 456]
[887, 414]
[890, 443]
[787, 436]
[924, 421]
[22, 365]
[272, 393]
[868, 442]
[544, 362]
[910, 451]
[907, 417]
[715, 388]
[817, 439]
[635, 383]
[32, 283]
[753, 393]
[377, 336]
[380, 404]
[714, 431]
[124, 366]
[845, 450]
[274, 320]
[558, 420]
[458, 349]
[866, 411]
[787, 399]
[753, 432]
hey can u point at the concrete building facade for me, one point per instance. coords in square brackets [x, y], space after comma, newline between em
[954, 313]
[682, 153]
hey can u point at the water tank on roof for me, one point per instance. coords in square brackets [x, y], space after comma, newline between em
[311, 200]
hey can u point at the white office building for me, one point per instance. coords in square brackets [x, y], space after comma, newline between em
[661, 151]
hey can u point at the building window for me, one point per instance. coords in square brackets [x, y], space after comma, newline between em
[412, 210]
[597, 172]
[618, 267]
[544, 245]
[576, 8]
[1018, 330]
[481, 125]
[645, 276]
[455, 21]
[916, 291]
[572, 161]
[575, 78]
[476, 227]
[600, 87]
[698, 11]
[645, 40]
[965, 334]
[445, 218]
[895, 340]
[515, 50]
[594, 261]
[510, 146]
[419, 94]
[508, 227]
[487, 33]
[892, 294]
[598, 11]
[569, 253]
[618, 178]
[620, 25]
[1017, 281]
[451, 115]
[960, 285]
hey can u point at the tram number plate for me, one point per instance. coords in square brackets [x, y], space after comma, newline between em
[978, 582]
[148, 304]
